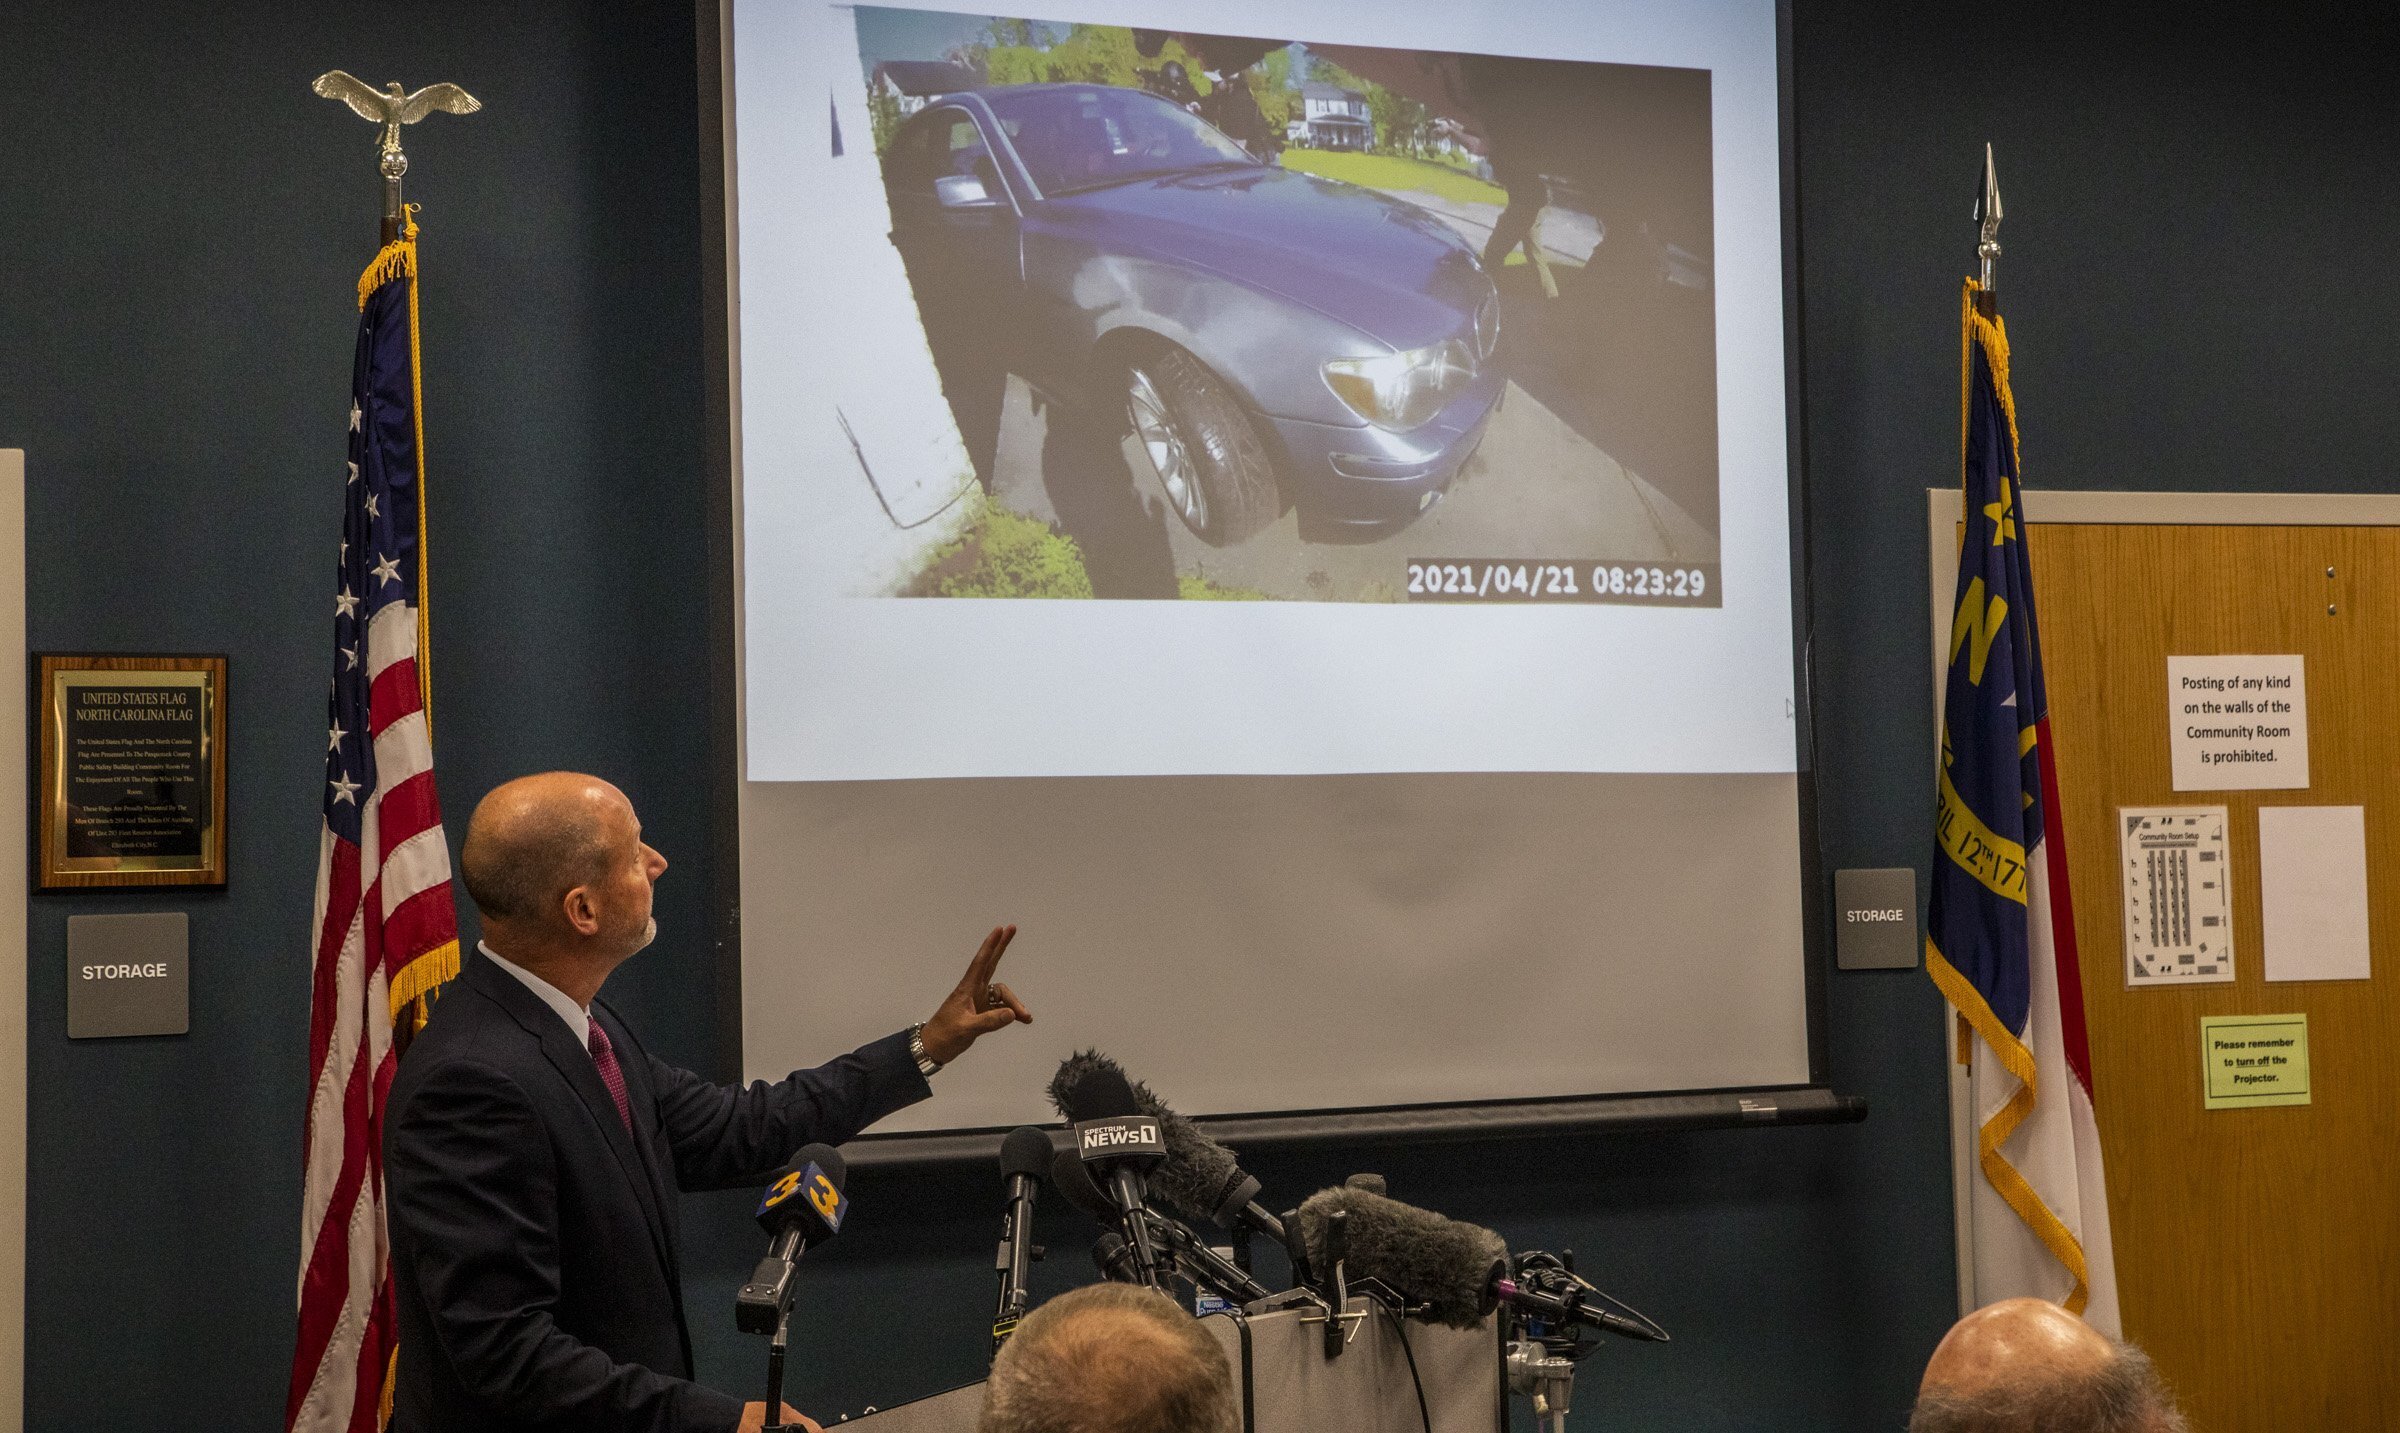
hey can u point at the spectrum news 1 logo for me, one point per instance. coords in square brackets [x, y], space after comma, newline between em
[1125, 1134]
[811, 1184]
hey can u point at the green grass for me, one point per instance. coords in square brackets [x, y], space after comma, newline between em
[1395, 172]
[1200, 589]
[1005, 555]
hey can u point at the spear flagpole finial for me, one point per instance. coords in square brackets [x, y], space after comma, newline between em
[392, 107]
[1987, 223]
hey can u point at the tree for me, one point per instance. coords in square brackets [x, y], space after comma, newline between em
[1400, 122]
[1271, 84]
[1020, 52]
[883, 115]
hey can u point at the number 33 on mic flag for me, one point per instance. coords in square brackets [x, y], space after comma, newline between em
[820, 1191]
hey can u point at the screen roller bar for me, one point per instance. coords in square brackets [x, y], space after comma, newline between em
[1436, 1124]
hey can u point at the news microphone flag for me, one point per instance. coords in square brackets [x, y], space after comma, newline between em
[386, 931]
[2000, 933]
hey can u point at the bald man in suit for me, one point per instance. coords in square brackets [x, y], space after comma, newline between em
[533, 1148]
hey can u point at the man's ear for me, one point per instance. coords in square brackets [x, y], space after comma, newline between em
[581, 913]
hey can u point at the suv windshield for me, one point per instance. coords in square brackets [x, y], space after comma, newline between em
[1073, 139]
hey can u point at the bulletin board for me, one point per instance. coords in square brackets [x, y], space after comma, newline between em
[2257, 1249]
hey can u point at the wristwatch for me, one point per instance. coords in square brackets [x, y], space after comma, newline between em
[926, 1064]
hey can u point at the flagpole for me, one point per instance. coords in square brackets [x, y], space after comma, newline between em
[1987, 222]
[346, 1351]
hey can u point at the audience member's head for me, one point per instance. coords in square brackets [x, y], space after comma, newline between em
[2027, 1366]
[1110, 1358]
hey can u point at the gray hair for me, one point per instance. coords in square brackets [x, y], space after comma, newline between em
[1111, 1358]
[2123, 1395]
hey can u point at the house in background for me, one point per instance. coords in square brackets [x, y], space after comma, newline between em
[1331, 118]
[910, 83]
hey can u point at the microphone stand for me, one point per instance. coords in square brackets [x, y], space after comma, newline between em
[1337, 1284]
[1547, 1334]
[1134, 1212]
[1202, 1265]
[1017, 1252]
[775, 1351]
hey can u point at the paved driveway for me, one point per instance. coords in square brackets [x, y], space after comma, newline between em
[1534, 489]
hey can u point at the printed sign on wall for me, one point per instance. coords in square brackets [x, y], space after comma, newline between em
[2238, 723]
[2254, 1060]
[2176, 867]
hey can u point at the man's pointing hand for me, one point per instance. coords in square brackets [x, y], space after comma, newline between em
[978, 1006]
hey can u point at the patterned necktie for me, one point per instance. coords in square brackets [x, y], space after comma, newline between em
[604, 1055]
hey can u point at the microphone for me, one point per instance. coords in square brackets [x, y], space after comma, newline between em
[1201, 1179]
[1074, 1184]
[1024, 1158]
[1118, 1141]
[1113, 1257]
[1459, 1272]
[803, 1206]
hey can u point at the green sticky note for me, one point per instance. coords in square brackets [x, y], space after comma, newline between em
[2248, 1060]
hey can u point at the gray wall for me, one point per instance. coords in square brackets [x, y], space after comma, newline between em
[2197, 239]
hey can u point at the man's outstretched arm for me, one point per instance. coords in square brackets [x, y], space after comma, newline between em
[725, 1136]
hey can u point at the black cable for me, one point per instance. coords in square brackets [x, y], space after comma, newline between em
[1400, 1327]
[1632, 1314]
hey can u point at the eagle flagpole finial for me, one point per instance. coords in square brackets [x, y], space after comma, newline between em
[393, 107]
[1987, 223]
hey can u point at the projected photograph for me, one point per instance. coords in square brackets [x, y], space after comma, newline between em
[1257, 318]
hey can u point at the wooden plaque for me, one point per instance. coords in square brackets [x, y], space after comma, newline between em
[130, 771]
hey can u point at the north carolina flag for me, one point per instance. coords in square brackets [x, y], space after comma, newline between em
[2000, 936]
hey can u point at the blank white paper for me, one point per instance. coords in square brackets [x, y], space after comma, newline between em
[2312, 876]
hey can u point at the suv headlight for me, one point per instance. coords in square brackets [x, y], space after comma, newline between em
[1401, 390]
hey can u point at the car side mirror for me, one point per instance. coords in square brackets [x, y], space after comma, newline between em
[962, 191]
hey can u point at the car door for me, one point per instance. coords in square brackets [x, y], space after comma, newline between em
[957, 230]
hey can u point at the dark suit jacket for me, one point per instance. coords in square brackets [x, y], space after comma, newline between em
[534, 1241]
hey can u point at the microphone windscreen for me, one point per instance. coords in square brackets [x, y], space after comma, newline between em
[1200, 1176]
[1074, 1184]
[1026, 1151]
[826, 1158]
[1424, 1257]
[1090, 1086]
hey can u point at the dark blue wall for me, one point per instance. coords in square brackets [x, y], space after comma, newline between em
[2198, 248]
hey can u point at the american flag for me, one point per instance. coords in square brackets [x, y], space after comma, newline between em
[386, 931]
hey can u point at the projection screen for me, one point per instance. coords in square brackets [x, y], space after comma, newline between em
[1297, 514]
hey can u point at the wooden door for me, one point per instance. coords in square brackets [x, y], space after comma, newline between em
[2258, 1251]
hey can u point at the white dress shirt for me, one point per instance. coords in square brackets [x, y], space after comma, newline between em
[578, 1019]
